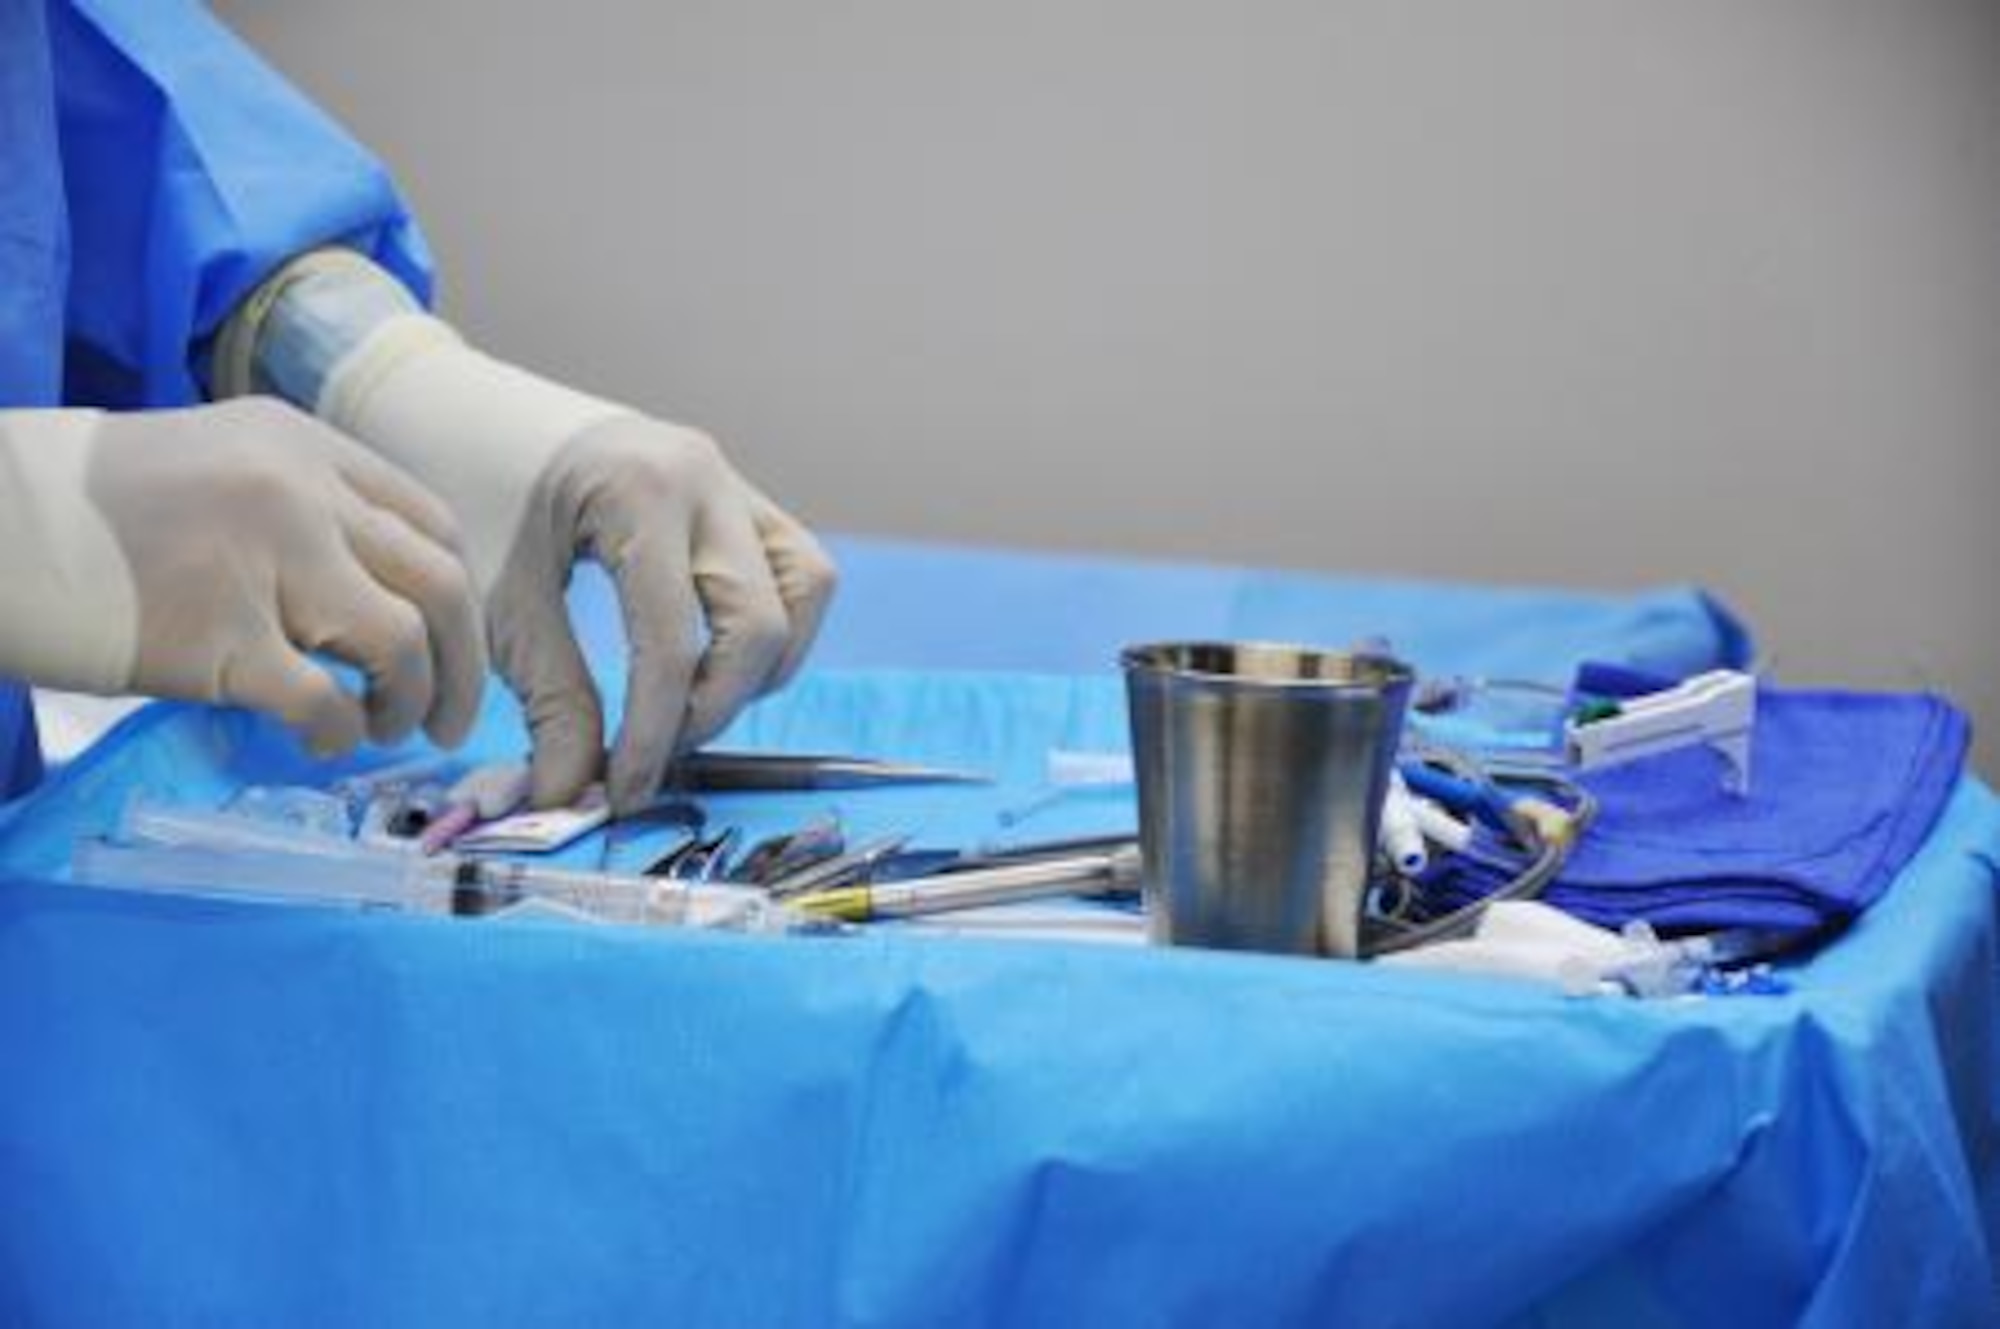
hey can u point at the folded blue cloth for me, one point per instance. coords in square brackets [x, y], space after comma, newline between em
[1844, 788]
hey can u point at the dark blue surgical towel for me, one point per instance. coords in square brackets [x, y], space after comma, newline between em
[1844, 788]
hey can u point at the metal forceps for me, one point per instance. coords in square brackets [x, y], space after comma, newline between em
[778, 772]
[841, 869]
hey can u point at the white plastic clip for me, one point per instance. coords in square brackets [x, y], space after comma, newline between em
[1401, 838]
[1717, 708]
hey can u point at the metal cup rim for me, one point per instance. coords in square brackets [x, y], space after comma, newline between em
[1385, 671]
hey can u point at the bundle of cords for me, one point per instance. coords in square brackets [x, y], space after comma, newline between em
[1526, 836]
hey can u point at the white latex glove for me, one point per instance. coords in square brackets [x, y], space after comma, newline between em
[203, 554]
[722, 590]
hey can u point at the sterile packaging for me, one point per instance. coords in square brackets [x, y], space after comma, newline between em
[538, 832]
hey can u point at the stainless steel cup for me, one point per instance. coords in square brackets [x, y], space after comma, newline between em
[1261, 770]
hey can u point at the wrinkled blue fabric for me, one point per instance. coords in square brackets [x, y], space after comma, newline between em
[1844, 788]
[191, 170]
[34, 228]
[265, 1115]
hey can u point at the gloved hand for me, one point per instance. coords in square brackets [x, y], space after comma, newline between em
[722, 590]
[202, 554]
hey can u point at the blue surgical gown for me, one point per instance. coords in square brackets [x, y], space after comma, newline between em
[152, 171]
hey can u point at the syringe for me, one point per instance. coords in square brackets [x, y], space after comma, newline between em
[367, 879]
[488, 885]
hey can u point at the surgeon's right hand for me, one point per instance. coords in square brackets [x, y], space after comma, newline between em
[207, 554]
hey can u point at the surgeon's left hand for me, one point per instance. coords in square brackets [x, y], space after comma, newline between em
[722, 590]
[722, 593]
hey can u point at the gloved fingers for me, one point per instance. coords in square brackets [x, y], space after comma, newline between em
[748, 626]
[270, 675]
[494, 791]
[431, 578]
[806, 579]
[388, 486]
[536, 652]
[649, 568]
[345, 612]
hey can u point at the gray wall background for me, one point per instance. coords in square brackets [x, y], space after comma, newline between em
[1590, 292]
